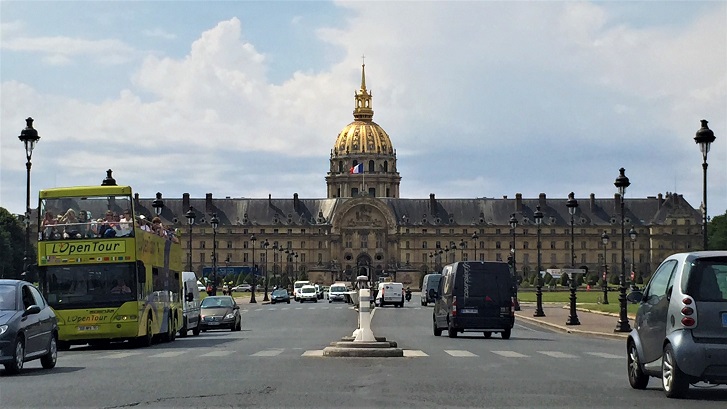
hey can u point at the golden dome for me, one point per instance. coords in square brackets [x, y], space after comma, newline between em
[363, 135]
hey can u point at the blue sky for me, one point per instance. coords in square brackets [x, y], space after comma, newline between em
[480, 99]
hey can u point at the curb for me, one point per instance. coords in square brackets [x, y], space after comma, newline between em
[569, 330]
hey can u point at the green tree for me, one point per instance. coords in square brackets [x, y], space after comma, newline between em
[717, 232]
[12, 245]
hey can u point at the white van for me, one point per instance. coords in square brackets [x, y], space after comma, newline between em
[337, 292]
[190, 312]
[297, 286]
[430, 281]
[390, 293]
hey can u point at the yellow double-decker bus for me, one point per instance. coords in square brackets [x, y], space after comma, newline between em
[108, 274]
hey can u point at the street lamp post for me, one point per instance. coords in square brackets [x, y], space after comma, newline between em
[704, 139]
[190, 221]
[604, 240]
[633, 234]
[265, 246]
[29, 137]
[280, 259]
[513, 226]
[572, 205]
[538, 216]
[254, 271]
[296, 264]
[214, 221]
[453, 247]
[462, 245]
[474, 239]
[622, 182]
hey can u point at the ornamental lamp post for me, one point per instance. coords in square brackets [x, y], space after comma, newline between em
[254, 271]
[538, 216]
[572, 205]
[265, 246]
[296, 254]
[462, 245]
[214, 221]
[622, 182]
[604, 240]
[190, 221]
[431, 260]
[474, 239]
[704, 139]
[280, 258]
[633, 234]
[513, 226]
[29, 136]
[453, 247]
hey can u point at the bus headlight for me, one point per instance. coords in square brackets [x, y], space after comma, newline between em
[126, 318]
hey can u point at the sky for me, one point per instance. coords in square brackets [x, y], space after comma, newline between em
[480, 98]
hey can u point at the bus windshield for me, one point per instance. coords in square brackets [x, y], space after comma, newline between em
[86, 217]
[90, 285]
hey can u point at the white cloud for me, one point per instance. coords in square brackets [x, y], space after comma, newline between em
[159, 33]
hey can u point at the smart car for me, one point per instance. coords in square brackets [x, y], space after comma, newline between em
[28, 327]
[680, 330]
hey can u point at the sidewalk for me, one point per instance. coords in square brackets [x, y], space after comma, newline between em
[593, 323]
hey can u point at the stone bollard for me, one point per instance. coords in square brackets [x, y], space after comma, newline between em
[364, 333]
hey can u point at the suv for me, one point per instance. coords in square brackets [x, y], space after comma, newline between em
[680, 331]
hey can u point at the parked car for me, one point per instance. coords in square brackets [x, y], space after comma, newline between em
[220, 311]
[28, 327]
[242, 288]
[307, 293]
[279, 295]
[680, 330]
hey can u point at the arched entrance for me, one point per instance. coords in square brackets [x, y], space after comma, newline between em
[363, 266]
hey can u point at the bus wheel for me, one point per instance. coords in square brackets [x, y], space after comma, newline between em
[172, 329]
[146, 340]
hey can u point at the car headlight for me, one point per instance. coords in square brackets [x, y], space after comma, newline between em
[230, 316]
[3, 328]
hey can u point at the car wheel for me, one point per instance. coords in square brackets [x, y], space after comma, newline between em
[424, 303]
[675, 381]
[488, 334]
[49, 360]
[288, 301]
[315, 300]
[184, 330]
[196, 330]
[239, 325]
[16, 365]
[451, 332]
[437, 331]
[272, 302]
[637, 378]
[506, 333]
[329, 301]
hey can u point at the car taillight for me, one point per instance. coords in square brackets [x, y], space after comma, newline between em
[454, 305]
[688, 312]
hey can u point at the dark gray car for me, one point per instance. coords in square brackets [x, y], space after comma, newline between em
[680, 331]
[28, 327]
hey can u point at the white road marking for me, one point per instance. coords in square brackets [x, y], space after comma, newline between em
[557, 354]
[268, 352]
[510, 354]
[412, 353]
[119, 355]
[604, 355]
[316, 352]
[169, 354]
[459, 353]
[218, 353]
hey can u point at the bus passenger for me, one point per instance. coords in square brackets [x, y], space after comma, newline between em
[49, 222]
[121, 288]
[109, 225]
[86, 227]
[125, 224]
[70, 230]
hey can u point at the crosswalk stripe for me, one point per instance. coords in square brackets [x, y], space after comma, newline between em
[268, 352]
[413, 353]
[168, 354]
[604, 355]
[557, 354]
[510, 354]
[120, 355]
[317, 352]
[459, 353]
[218, 353]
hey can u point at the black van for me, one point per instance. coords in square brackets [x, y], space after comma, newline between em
[474, 296]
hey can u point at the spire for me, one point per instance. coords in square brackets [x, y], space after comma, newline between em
[362, 110]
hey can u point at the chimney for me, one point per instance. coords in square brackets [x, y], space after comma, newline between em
[660, 201]
[541, 200]
[592, 202]
[270, 199]
[296, 202]
[616, 203]
[208, 203]
[136, 200]
[185, 202]
[432, 204]
[519, 202]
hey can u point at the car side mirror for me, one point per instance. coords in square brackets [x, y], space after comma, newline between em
[190, 297]
[236, 307]
[635, 297]
[432, 294]
[33, 309]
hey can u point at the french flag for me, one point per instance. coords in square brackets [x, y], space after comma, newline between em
[358, 168]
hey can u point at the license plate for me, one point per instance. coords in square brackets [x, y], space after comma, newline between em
[213, 323]
[724, 319]
[88, 328]
[469, 311]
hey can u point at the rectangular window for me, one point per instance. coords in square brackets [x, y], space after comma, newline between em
[406, 244]
[202, 244]
[424, 244]
[552, 245]
[583, 245]
[526, 245]
[498, 245]
[229, 244]
[201, 258]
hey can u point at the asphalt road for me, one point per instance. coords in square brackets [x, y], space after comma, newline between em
[276, 361]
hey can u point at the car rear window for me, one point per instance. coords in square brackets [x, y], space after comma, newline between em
[708, 280]
[338, 289]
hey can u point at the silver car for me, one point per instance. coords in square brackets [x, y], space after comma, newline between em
[680, 331]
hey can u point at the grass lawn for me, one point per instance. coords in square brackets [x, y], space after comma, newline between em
[584, 299]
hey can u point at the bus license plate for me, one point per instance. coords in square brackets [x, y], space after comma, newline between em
[469, 311]
[724, 319]
[88, 328]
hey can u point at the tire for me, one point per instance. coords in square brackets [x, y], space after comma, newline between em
[424, 303]
[506, 333]
[239, 325]
[673, 380]
[451, 332]
[315, 301]
[16, 365]
[329, 301]
[170, 329]
[288, 301]
[49, 360]
[196, 330]
[637, 378]
[437, 331]
[488, 334]
[272, 302]
[146, 340]
[184, 330]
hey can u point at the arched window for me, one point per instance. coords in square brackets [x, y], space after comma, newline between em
[372, 166]
[340, 166]
[386, 166]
